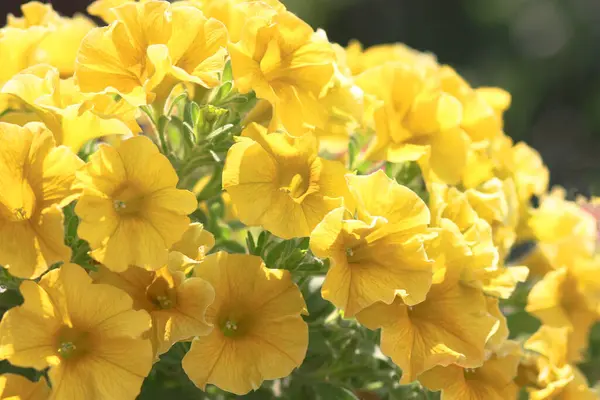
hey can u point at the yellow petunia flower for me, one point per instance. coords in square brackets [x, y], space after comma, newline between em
[492, 381]
[177, 305]
[88, 334]
[342, 110]
[359, 60]
[557, 301]
[416, 120]
[376, 259]
[150, 47]
[285, 62]
[35, 183]
[480, 120]
[234, 13]
[63, 35]
[102, 9]
[42, 96]
[280, 183]
[259, 332]
[563, 231]
[16, 46]
[451, 326]
[193, 245]
[345, 107]
[545, 372]
[17, 387]
[130, 209]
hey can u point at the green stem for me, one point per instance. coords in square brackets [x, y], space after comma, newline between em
[149, 111]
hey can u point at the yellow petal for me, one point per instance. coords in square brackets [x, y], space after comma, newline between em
[378, 195]
[22, 388]
[27, 332]
[450, 326]
[195, 242]
[187, 319]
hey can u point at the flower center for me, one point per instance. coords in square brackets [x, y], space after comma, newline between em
[230, 328]
[164, 302]
[72, 343]
[19, 204]
[470, 373]
[162, 291]
[127, 200]
[67, 349]
[297, 186]
[349, 252]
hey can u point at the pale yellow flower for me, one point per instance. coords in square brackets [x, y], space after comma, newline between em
[88, 334]
[259, 332]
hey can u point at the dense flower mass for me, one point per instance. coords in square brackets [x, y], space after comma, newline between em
[205, 198]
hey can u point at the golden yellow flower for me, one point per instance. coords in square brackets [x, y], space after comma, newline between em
[563, 224]
[285, 62]
[544, 371]
[73, 119]
[103, 9]
[359, 60]
[177, 305]
[62, 39]
[234, 13]
[481, 121]
[193, 245]
[35, 183]
[557, 302]
[130, 209]
[17, 387]
[88, 334]
[563, 230]
[460, 214]
[451, 326]
[377, 259]
[280, 183]
[16, 47]
[259, 332]
[345, 107]
[151, 43]
[416, 120]
[492, 381]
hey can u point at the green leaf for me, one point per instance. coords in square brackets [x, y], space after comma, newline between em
[328, 391]
[227, 72]
[191, 114]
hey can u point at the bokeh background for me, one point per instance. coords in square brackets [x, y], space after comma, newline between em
[545, 52]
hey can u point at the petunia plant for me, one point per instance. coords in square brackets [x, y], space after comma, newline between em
[209, 199]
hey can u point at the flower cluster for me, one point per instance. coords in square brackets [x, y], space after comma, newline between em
[202, 185]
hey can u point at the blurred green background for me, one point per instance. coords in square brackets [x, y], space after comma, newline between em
[545, 52]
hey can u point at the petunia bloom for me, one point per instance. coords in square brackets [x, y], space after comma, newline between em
[281, 183]
[177, 305]
[545, 372]
[259, 333]
[35, 183]
[492, 381]
[151, 44]
[88, 334]
[42, 96]
[235, 13]
[451, 326]
[381, 256]
[285, 62]
[61, 39]
[130, 209]
[558, 302]
[416, 120]
[18, 387]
